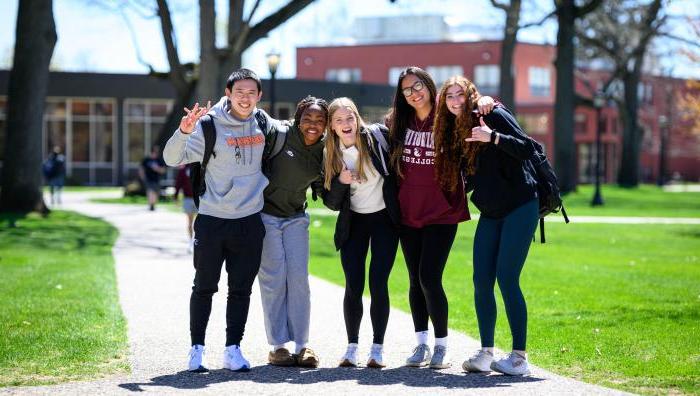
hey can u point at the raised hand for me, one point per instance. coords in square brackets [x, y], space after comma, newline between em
[346, 176]
[188, 122]
[481, 133]
[485, 104]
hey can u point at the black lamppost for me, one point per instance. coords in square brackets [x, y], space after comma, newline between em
[598, 103]
[273, 60]
[663, 135]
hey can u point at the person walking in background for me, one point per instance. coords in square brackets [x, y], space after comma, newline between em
[228, 227]
[429, 212]
[54, 170]
[184, 183]
[150, 172]
[360, 184]
[284, 267]
[495, 158]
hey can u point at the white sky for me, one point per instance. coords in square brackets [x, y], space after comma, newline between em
[93, 38]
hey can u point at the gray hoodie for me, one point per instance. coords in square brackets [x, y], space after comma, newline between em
[235, 182]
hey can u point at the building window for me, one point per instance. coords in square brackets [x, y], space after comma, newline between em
[441, 74]
[344, 75]
[143, 120]
[84, 129]
[534, 124]
[394, 73]
[540, 82]
[487, 79]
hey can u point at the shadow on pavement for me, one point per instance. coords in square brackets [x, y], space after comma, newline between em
[406, 376]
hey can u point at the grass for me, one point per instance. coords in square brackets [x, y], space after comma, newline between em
[60, 317]
[608, 304]
[646, 200]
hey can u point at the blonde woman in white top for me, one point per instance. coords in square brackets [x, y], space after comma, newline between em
[359, 182]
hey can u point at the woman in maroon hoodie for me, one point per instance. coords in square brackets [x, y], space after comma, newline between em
[429, 214]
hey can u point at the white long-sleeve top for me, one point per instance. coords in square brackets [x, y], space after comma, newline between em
[365, 196]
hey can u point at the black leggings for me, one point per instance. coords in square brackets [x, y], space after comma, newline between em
[239, 243]
[426, 250]
[373, 229]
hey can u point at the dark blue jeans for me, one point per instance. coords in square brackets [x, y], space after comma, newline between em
[500, 250]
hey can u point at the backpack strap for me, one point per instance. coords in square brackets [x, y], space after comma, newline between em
[563, 212]
[542, 240]
[377, 134]
[209, 132]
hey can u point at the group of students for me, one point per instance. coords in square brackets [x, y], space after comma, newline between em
[402, 182]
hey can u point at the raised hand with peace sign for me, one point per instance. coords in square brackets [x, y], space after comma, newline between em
[188, 121]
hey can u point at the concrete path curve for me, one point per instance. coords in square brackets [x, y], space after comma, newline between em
[155, 273]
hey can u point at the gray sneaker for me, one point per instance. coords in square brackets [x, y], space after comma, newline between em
[440, 359]
[421, 356]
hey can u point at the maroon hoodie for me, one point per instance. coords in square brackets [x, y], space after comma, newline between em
[421, 199]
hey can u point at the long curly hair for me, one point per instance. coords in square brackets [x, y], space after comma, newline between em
[449, 131]
[305, 104]
[402, 113]
[333, 157]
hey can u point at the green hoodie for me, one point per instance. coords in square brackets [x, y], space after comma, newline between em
[293, 170]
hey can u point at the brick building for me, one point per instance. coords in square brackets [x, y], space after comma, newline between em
[535, 76]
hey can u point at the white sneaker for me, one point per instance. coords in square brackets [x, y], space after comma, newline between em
[479, 362]
[234, 360]
[375, 359]
[421, 356]
[514, 364]
[196, 359]
[440, 359]
[350, 357]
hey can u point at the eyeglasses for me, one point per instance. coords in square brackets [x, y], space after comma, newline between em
[418, 86]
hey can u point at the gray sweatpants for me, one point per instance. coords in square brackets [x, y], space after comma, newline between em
[284, 279]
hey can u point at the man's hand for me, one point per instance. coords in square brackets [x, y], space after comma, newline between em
[188, 122]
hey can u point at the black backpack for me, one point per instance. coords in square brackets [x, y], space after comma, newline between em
[273, 146]
[547, 187]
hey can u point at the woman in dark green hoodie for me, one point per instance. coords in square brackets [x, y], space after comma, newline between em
[284, 268]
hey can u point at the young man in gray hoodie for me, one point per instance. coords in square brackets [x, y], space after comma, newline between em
[228, 227]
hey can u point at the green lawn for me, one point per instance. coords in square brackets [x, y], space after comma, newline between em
[60, 318]
[646, 200]
[608, 304]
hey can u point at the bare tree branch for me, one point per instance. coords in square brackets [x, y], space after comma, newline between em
[135, 41]
[540, 22]
[235, 20]
[502, 6]
[177, 71]
[272, 21]
[587, 8]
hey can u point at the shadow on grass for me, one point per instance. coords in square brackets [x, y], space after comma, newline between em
[419, 378]
[57, 235]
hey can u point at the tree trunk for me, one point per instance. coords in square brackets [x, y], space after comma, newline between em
[29, 77]
[565, 148]
[510, 35]
[208, 87]
[631, 139]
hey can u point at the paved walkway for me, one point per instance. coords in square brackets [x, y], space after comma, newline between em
[155, 273]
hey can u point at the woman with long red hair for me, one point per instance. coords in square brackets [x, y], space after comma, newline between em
[493, 153]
